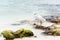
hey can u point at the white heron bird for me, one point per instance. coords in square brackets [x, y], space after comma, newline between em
[38, 20]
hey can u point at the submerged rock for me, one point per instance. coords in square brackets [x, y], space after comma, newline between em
[54, 32]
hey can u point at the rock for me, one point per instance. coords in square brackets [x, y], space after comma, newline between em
[28, 33]
[8, 34]
[18, 33]
[23, 33]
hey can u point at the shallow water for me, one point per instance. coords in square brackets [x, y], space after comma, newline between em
[12, 11]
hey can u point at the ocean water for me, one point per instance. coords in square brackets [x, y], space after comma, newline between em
[16, 10]
[24, 9]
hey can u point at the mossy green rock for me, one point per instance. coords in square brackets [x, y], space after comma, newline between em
[18, 33]
[23, 33]
[8, 34]
[27, 33]
[54, 32]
